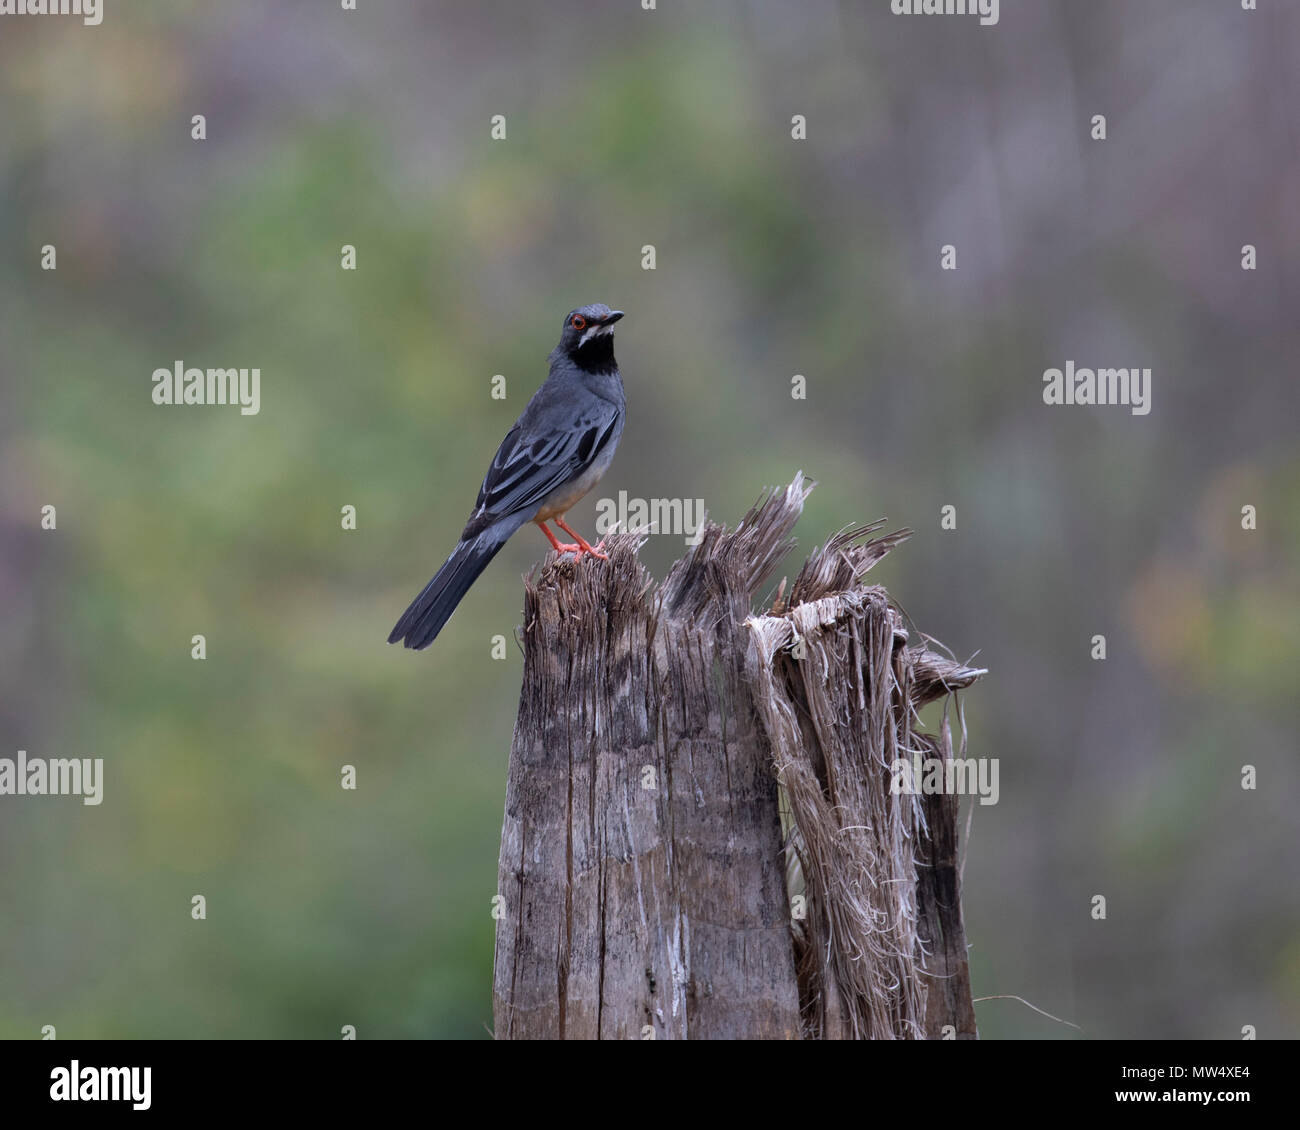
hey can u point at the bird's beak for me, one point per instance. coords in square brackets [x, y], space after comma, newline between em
[612, 317]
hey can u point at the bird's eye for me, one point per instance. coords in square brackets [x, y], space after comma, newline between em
[579, 322]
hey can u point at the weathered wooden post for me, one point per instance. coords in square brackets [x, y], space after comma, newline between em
[700, 839]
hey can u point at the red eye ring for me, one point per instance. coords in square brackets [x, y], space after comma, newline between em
[578, 322]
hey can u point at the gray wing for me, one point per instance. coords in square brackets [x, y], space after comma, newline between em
[533, 461]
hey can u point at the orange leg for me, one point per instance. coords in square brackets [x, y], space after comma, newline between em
[582, 544]
[560, 547]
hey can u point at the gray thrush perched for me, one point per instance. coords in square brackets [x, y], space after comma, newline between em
[556, 452]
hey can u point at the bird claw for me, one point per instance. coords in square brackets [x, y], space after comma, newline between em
[581, 551]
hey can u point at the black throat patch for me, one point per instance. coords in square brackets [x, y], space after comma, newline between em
[597, 355]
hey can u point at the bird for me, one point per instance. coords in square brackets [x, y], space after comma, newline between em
[558, 449]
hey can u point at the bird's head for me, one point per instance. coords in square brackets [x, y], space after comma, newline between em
[588, 336]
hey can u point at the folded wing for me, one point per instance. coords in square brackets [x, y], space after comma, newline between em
[531, 463]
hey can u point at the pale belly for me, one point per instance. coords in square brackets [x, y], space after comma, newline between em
[570, 494]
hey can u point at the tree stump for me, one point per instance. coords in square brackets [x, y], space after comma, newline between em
[700, 838]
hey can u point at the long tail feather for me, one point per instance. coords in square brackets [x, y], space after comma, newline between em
[424, 619]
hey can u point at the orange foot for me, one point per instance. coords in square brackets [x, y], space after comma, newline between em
[580, 548]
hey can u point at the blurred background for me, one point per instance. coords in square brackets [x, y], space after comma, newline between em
[774, 257]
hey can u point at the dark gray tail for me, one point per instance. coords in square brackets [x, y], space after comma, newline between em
[429, 611]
